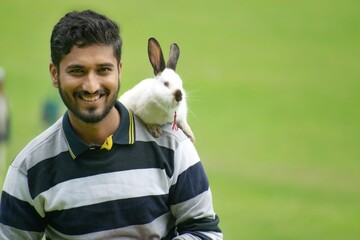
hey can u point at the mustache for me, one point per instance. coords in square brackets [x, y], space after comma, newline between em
[86, 93]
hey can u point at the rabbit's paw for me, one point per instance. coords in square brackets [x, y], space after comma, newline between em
[190, 135]
[187, 130]
[154, 129]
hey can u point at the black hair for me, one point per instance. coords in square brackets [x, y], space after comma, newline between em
[83, 29]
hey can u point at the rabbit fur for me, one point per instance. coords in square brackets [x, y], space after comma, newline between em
[161, 99]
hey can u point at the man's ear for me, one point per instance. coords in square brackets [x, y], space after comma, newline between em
[54, 75]
[120, 68]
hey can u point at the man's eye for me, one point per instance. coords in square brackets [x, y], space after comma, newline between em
[104, 70]
[76, 71]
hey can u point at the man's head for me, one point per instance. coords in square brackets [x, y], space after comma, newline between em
[83, 29]
[86, 64]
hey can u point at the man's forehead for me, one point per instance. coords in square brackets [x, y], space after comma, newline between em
[92, 54]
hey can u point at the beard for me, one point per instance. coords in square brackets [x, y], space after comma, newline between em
[90, 114]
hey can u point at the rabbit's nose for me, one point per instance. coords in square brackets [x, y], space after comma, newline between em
[178, 95]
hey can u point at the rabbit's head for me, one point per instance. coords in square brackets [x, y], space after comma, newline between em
[167, 85]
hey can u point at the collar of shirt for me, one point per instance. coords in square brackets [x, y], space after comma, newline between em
[125, 134]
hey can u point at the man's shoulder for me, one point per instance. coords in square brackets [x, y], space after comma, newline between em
[47, 144]
[170, 138]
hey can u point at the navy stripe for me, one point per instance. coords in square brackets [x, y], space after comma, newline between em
[108, 215]
[20, 214]
[171, 234]
[61, 168]
[194, 226]
[190, 184]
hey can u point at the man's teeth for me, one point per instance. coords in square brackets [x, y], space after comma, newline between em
[91, 98]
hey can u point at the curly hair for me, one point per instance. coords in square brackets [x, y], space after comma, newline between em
[82, 29]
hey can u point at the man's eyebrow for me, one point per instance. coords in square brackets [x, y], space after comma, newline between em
[105, 65]
[75, 66]
[101, 65]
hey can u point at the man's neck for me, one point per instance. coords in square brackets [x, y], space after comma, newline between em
[96, 133]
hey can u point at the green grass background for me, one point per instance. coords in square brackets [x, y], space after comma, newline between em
[274, 96]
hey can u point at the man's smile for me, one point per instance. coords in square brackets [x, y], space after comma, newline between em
[90, 98]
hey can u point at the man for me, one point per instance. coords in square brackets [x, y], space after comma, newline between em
[4, 122]
[97, 173]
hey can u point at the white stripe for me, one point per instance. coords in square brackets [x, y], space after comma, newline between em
[197, 207]
[104, 187]
[185, 157]
[10, 233]
[16, 184]
[154, 230]
[212, 235]
[46, 145]
[186, 236]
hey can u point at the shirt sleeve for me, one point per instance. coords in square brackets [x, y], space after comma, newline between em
[18, 216]
[191, 198]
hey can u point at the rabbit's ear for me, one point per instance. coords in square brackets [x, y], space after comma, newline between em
[173, 56]
[156, 56]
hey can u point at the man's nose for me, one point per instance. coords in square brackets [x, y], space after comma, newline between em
[91, 83]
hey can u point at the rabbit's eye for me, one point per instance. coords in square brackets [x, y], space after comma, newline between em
[166, 84]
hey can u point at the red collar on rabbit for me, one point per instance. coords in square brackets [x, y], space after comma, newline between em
[175, 126]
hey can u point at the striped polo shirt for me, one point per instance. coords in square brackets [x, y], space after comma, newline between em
[134, 186]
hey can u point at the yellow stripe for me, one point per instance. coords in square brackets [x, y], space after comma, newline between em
[71, 152]
[131, 128]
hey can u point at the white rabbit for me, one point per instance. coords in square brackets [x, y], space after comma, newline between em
[161, 99]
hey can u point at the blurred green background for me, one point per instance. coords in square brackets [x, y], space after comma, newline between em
[273, 91]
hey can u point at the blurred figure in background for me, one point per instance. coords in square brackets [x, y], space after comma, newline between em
[4, 122]
[50, 111]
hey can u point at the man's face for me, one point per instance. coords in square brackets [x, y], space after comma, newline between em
[88, 81]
